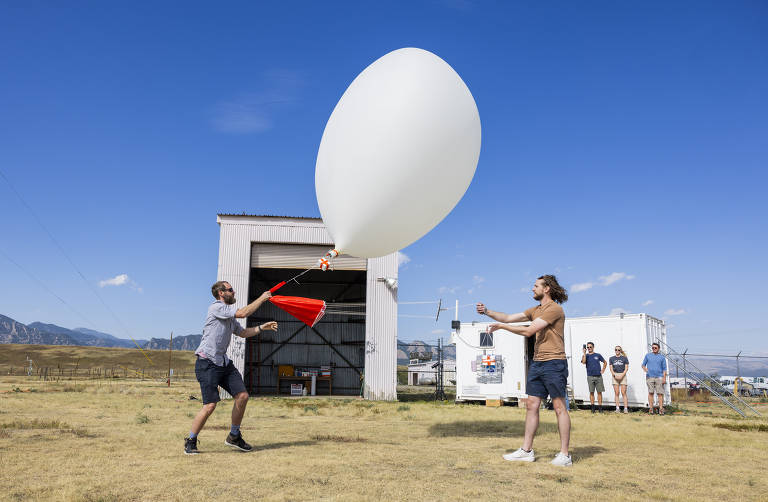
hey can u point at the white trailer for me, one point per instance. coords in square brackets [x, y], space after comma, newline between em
[478, 379]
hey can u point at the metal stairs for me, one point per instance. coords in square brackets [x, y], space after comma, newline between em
[690, 370]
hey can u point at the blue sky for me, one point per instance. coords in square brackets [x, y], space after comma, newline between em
[624, 149]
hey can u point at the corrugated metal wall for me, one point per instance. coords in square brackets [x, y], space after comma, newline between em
[238, 233]
[381, 331]
[306, 349]
[301, 257]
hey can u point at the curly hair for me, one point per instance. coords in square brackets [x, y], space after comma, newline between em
[556, 291]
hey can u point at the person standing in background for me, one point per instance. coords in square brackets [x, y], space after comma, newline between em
[655, 367]
[594, 375]
[619, 365]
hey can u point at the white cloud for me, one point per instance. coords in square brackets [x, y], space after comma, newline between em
[607, 280]
[470, 291]
[244, 115]
[618, 310]
[476, 280]
[647, 302]
[251, 113]
[117, 280]
[675, 312]
[402, 258]
[604, 280]
[120, 280]
[438, 331]
[582, 286]
[447, 289]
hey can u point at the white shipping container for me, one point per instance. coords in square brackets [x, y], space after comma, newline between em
[633, 332]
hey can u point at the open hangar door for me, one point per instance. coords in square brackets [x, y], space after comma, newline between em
[337, 340]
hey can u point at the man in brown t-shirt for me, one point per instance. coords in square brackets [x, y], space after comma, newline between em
[548, 372]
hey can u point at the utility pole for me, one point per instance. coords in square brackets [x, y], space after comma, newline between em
[170, 351]
[439, 387]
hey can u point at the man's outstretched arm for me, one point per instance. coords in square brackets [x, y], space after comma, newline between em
[537, 325]
[253, 306]
[248, 332]
[500, 316]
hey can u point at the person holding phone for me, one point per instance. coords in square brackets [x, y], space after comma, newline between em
[619, 365]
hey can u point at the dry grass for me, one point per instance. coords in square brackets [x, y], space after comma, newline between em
[119, 440]
[69, 357]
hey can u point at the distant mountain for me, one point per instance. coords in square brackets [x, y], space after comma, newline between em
[189, 342]
[404, 349]
[725, 366]
[99, 334]
[84, 336]
[12, 331]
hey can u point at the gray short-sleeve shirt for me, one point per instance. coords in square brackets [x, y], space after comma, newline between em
[217, 332]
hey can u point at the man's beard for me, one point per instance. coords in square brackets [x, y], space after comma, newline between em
[229, 300]
[538, 297]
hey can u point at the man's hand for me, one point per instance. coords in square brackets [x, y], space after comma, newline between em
[493, 327]
[271, 325]
[266, 295]
[584, 350]
[482, 309]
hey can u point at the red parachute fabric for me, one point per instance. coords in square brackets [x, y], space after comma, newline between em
[306, 310]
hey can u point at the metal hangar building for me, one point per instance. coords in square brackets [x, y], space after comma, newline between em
[357, 344]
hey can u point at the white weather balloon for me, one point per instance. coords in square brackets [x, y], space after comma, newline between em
[397, 154]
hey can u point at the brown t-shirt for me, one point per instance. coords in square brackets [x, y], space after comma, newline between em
[550, 342]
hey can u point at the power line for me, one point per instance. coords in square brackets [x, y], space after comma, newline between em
[45, 287]
[61, 249]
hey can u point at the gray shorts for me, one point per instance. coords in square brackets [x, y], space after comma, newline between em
[595, 383]
[655, 385]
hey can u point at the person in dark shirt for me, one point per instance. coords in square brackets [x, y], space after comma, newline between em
[619, 366]
[594, 375]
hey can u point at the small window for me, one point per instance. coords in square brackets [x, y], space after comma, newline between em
[486, 339]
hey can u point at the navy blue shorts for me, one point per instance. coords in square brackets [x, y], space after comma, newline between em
[211, 377]
[547, 378]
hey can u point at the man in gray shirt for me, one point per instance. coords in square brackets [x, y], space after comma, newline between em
[213, 368]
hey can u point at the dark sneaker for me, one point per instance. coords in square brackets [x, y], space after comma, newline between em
[237, 442]
[190, 446]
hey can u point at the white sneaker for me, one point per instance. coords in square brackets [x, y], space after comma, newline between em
[562, 460]
[520, 456]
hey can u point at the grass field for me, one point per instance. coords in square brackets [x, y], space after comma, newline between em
[117, 439]
[63, 360]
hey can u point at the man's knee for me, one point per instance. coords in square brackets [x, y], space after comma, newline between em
[242, 397]
[558, 404]
[209, 407]
[532, 404]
